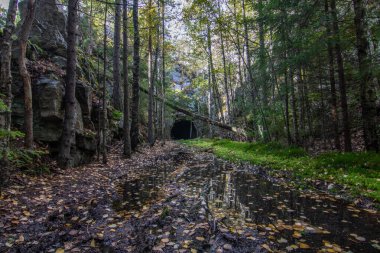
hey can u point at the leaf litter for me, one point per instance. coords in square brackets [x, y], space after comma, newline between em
[171, 198]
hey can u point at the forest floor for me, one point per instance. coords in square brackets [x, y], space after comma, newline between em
[173, 198]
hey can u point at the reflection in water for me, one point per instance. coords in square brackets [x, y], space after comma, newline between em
[293, 220]
[141, 191]
[284, 215]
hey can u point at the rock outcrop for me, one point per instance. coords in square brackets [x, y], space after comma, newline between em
[49, 27]
[48, 87]
[48, 96]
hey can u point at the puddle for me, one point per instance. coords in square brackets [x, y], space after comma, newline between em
[291, 220]
[144, 190]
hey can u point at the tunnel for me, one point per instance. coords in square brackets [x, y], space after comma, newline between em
[183, 129]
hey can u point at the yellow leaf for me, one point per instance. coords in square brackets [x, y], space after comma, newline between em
[304, 246]
[20, 239]
[93, 244]
[297, 235]
[265, 246]
[199, 238]
[60, 250]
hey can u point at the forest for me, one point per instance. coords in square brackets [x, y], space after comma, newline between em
[189, 126]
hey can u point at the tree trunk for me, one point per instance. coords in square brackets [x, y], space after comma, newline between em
[294, 107]
[28, 104]
[287, 118]
[210, 102]
[163, 73]
[262, 57]
[225, 75]
[214, 85]
[333, 101]
[68, 133]
[90, 32]
[150, 79]
[342, 81]
[6, 87]
[240, 75]
[155, 80]
[136, 76]
[367, 89]
[104, 109]
[248, 51]
[323, 123]
[126, 129]
[99, 132]
[117, 100]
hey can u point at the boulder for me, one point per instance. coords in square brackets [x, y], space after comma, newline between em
[86, 141]
[49, 94]
[48, 99]
[49, 27]
[60, 61]
[84, 96]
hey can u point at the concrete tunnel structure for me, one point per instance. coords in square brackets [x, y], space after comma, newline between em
[183, 129]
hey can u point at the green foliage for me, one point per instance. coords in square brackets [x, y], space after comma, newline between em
[165, 212]
[37, 48]
[3, 106]
[117, 115]
[29, 161]
[10, 134]
[3, 16]
[358, 171]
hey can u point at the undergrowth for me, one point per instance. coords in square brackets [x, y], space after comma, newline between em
[30, 162]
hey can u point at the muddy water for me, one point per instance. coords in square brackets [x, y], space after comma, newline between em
[142, 191]
[291, 220]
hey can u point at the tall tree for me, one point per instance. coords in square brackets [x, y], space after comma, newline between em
[225, 75]
[6, 88]
[136, 77]
[334, 107]
[104, 95]
[116, 95]
[163, 69]
[248, 51]
[150, 77]
[367, 89]
[216, 98]
[68, 133]
[341, 78]
[91, 30]
[24, 73]
[126, 129]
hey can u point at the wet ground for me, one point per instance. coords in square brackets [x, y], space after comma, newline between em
[242, 199]
[174, 199]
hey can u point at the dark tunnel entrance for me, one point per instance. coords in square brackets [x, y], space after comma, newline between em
[183, 129]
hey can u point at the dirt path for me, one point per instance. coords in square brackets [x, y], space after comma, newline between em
[173, 199]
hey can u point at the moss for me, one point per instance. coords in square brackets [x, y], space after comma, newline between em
[117, 115]
[360, 171]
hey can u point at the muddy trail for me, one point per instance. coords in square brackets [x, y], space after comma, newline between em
[175, 199]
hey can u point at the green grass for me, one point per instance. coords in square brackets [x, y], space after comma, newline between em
[360, 172]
